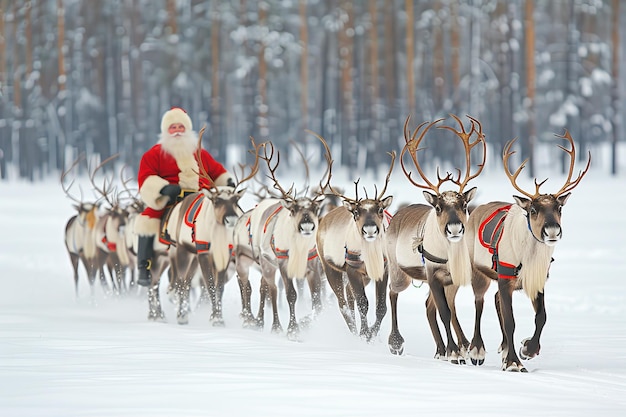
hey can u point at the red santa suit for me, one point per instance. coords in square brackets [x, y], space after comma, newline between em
[173, 161]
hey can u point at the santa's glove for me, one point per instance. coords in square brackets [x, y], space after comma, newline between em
[230, 183]
[171, 190]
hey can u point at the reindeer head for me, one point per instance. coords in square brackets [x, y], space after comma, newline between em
[225, 199]
[368, 213]
[451, 207]
[544, 210]
[303, 210]
[86, 211]
[226, 204]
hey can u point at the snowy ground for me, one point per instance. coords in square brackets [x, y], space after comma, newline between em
[65, 357]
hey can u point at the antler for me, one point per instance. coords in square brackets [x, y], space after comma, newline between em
[506, 154]
[255, 166]
[66, 190]
[329, 167]
[106, 188]
[133, 195]
[468, 145]
[412, 146]
[393, 161]
[202, 171]
[329, 172]
[569, 184]
[286, 195]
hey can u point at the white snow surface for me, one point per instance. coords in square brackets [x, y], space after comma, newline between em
[66, 356]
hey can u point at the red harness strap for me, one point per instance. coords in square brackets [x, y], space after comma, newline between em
[489, 234]
[110, 245]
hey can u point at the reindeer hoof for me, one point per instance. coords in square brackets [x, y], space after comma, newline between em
[477, 355]
[513, 367]
[293, 335]
[456, 359]
[397, 351]
[523, 351]
[156, 316]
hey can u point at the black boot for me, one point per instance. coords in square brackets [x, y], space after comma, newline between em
[145, 252]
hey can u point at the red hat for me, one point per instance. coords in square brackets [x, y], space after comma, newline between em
[175, 115]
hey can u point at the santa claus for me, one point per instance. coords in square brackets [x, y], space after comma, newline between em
[167, 172]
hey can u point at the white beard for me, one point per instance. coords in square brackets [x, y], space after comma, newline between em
[183, 148]
[180, 147]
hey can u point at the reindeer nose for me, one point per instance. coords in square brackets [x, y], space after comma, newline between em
[454, 231]
[307, 228]
[369, 232]
[551, 234]
[229, 221]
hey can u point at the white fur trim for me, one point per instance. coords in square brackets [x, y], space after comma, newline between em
[146, 226]
[223, 179]
[175, 115]
[150, 192]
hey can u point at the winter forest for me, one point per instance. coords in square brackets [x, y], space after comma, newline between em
[84, 77]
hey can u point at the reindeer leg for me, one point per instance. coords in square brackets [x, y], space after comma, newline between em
[100, 262]
[450, 291]
[273, 292]
[268, 271]
[335, 280]
[435, 282]
[207, 268]
[395, 341]
[530, 347]
[381, 305]
[292, 295]
[503, 345]
[219, 294]
[74, 258]
[182, 277]
[480, 285]
[315, 286]
[245, 289]
[510, 361]
[263, 294]
[155, 311]
[91, 277]
[355, 277]
[431, 316]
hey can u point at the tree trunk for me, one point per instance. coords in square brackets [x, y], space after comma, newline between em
[616, 119]
[410, 56]
[304, 66]
[530, 81]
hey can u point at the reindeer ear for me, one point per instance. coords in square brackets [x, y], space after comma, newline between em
[387, 201]
[470, 194]
[240, 193]
[351, 207]
[430, 198]
[287, 204]
[319, 198]
[563, 199]
[523, 202]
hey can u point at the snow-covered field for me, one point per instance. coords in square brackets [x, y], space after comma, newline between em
[60, 356]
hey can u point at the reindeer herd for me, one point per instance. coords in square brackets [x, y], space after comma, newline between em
[326, 238]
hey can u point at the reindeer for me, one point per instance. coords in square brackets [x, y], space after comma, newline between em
[437, 231]
[351, 239]
[279, 234]
[132, 210]
[79, 234]
[109, 232]
[513, 245]
[202, 228]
